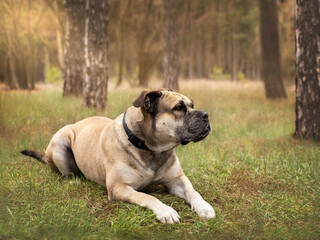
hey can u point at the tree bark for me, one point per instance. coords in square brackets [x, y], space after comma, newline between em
[143, 70]
[13, 78]
[269, 37]
[170, 35]
[96, 61]
[307, 37]
[192, 42]
[144, 55]
[234, 66]
[40, 63]
[122, 32]
[74, 47]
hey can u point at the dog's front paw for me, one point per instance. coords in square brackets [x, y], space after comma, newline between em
[166, 214]
[203, 209]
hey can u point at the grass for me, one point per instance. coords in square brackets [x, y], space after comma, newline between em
[262, 182]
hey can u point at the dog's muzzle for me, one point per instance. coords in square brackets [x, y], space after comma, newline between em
[196, 127]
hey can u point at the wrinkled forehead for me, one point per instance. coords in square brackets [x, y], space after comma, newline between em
[173, 98]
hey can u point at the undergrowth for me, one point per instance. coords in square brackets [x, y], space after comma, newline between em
[262, 182]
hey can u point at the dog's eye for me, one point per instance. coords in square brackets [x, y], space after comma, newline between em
[179, 107]
[192, 105]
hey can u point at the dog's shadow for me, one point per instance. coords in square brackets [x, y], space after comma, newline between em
[152, 189]
[155, 189]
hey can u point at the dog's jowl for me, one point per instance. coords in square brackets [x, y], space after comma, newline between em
[134, 150]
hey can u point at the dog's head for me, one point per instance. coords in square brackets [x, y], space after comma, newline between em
[170, 117]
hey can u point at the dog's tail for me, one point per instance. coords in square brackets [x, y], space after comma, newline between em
[41, 157]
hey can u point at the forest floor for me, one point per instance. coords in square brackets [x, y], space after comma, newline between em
[262, 183]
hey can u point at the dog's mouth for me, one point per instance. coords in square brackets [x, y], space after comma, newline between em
[204, 134]
[192, 137]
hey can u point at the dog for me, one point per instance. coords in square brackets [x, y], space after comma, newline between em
[134, 151]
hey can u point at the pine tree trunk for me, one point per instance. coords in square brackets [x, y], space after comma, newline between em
[307, 36]
[73, 49]
[269, 37]
[170, 35]
[96, 61]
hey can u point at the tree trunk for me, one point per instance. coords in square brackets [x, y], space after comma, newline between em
[269, 37]
[13, 82]
[122, 32]
[143, 71]
[229, 50]
[59, 37]
[170, 35]
[96, 61]
[74, 47]
[307, 37]
[192, 43]
[144, 56]
[41, 63]
[184, 42]
[233, 55]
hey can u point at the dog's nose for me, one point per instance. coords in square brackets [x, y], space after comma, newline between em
[205, 115]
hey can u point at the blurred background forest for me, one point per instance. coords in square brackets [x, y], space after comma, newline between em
[218, 40]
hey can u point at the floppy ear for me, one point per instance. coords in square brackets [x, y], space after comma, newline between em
[147, 100]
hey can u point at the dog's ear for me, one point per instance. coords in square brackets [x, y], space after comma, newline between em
[147, 100]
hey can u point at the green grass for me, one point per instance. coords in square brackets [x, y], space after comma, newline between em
[262, 182]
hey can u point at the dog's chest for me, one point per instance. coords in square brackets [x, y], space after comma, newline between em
[148, 168]
[155, 161]
[155, 167]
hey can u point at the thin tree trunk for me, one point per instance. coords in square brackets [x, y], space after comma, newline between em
[13, 77]
[234, 61]
[59, 36]
[32, 52]
[40, 66]
[143, 54]
[307, 37]
[229, 48]
[269, 37]
[170, 35]
[96, 61]
[60, 50]
[122, 39]
[142, 61]
[217, 36]
[74, 47]
[185, 28]
[201, 54]
[192, 42]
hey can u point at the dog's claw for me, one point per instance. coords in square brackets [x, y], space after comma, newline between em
[167, 215]
[204, 209]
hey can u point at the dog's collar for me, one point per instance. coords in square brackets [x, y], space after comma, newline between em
[137, 142]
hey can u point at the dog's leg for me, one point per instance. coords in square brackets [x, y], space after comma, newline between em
[59, 157]
[123, 192]
[59, 153]
[182, 187]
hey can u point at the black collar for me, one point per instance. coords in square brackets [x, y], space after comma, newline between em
[137, 142]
